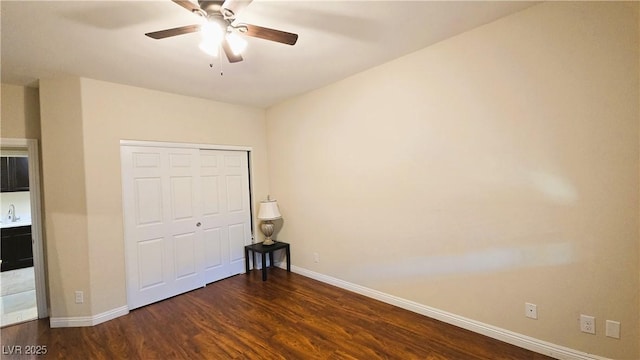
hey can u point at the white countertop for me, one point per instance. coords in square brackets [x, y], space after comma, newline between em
[21, 222]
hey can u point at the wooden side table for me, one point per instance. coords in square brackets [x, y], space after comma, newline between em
[264, 250]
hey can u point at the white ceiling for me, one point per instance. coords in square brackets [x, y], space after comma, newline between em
[105, 40]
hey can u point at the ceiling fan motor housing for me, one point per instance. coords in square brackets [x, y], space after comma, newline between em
[214, 8]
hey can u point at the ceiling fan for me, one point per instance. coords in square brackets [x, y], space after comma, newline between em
[220, 30]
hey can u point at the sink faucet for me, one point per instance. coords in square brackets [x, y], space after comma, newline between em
[11, 216]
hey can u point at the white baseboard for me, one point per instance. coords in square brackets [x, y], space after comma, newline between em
[79, 321]
[510, 337]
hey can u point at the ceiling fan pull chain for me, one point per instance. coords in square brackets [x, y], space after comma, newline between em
[211, 64]
[220, 58]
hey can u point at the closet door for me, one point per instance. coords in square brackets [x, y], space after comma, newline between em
[187, 219]
[162, 220]
[226, 217]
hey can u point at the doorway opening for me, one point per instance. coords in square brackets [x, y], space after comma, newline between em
[22, 281]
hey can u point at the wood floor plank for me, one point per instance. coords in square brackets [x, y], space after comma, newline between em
[287, 317]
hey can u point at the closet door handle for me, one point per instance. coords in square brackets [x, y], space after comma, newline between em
[198, 224]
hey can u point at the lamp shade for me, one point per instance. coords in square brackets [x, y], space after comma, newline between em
[269, 210]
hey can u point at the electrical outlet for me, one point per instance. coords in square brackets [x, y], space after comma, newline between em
[79, 297]
[613, 329]
[587, 324]
[316, 257]
[531, 310]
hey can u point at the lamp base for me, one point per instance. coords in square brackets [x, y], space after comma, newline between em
[267, 230]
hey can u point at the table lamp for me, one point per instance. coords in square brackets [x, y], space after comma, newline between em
[268, 212]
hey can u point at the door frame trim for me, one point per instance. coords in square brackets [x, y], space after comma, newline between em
[36, 219]
[184, 145]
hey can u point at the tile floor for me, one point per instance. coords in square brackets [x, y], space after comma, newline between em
[17, 296]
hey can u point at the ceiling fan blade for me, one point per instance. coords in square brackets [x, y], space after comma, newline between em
[233, 58]
[269, 34]
[236, 6]
[187, 5]
[173, 32]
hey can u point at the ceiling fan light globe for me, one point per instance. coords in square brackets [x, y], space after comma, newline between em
[236, 43]
[209, 48]
[211, 32]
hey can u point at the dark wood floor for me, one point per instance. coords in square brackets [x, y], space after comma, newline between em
[287, 317]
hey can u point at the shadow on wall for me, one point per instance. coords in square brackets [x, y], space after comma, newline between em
[490, 260]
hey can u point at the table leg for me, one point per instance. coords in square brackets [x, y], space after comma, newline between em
[270, 258]
[288, 259]
[254, 260]
[246, 260]
[264, 267]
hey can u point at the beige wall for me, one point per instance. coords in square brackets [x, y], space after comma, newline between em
[65, 199]
[492, 169]
[110, 113]
[20, 112]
